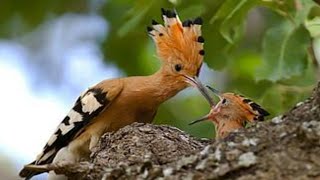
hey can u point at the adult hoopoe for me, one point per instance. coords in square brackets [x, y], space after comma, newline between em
[115, 103]
[232, 112]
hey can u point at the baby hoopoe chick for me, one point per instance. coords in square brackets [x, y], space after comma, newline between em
[115, 103]
[232, 112]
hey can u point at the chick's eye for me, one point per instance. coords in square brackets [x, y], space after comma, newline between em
[178, 67]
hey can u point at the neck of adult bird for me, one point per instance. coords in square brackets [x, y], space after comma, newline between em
[166, 84]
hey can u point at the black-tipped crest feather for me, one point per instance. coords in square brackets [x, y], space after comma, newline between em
[154, 22]
[149, 28]
[200, 39]
[187, 23]
[198, 21]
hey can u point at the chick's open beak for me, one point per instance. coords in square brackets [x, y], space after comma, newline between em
[204, 118]
[214, 109]
[195, 82]
[211, 116]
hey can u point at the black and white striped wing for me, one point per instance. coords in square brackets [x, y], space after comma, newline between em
[90, 104]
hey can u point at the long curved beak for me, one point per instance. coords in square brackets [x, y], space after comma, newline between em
[213, 111]
[199, 120]
[194, 81]
[216, 92]
[210, 116]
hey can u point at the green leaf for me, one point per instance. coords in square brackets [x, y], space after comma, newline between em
[192, 11]
[303, 9]
[284, 52]
[136, 17]
[232, 13]
[313, 27]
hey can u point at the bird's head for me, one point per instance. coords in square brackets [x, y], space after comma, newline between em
[179, 46]
[233, 107]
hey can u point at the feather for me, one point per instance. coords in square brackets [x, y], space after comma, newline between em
[257, 112]
[87, 107]
[177, 40]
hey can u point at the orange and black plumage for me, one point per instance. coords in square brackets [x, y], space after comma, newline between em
[232, 112]
[115, 103]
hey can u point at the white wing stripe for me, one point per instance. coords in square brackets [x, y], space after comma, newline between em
[74, 116]
[90, 103]
[47, 155]
[52, 139]
[65, 128]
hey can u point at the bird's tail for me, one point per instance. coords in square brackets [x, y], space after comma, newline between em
[177, 40]
[31, 170]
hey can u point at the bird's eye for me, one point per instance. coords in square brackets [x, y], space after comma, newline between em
[178, 67]
[224, 101]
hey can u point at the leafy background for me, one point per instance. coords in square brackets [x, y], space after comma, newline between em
[264, 49]
[261, 46]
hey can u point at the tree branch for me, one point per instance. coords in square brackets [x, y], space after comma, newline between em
[286, 147]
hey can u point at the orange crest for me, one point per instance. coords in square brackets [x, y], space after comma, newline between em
[178, 41]
[254, 111]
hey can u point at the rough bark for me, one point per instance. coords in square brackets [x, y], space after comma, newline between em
[286, 147]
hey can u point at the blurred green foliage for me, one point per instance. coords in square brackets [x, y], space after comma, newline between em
[261, 45]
